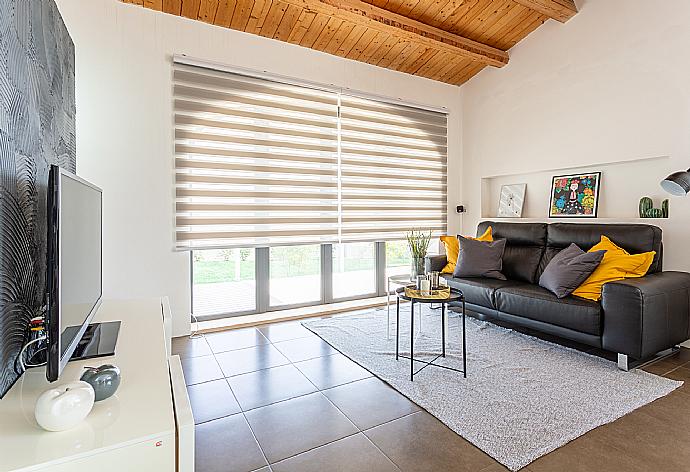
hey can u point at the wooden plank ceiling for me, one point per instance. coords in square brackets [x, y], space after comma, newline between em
[445, 40]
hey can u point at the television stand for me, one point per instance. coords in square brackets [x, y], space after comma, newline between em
[146, 426]
[99, 340]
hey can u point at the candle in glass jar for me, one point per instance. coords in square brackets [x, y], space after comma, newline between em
[426, 286]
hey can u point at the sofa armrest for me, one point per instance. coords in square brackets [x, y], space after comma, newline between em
[646, 315]
[435, 262]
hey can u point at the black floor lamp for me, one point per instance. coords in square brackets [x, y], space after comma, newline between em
[677, 184]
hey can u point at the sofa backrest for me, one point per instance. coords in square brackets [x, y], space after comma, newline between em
[634, 238]
[531, 246]
[525, 243]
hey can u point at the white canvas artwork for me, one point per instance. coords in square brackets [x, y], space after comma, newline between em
[511, 201]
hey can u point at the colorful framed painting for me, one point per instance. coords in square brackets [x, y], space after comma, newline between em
[575, 196]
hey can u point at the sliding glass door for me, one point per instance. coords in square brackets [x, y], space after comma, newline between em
[295, 275]
[354, 270]
[223, 281]
[232, 282]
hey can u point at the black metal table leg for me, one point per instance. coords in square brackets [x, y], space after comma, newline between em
[397, 329]
[443, 327]
[454, 296]
[412, 340]
[464, 337]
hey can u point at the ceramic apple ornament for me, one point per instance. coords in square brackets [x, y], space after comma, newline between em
[64, 407]
[104, 379]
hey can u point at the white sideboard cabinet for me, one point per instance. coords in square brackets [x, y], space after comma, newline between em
[147, 425]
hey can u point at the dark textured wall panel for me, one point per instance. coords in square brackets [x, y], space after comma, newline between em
[37, 128]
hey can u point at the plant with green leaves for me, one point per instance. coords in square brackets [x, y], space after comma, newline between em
[418, 241]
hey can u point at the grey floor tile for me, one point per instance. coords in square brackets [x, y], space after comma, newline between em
[680, 373]
[666, 447]
[370, 402]
[294, 426]
[419, 442]
[235, 339]
[190, 347]
[496, 467]
[671, 409]
[201, 369]
[303, 349]
[212, 400]
[285, 331]
[331, 371]
[267, 386]
[586, 454]
[351, 454]
[227, 444]
[250, 359]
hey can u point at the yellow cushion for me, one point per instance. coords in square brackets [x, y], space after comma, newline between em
[452, 246]
[617, 264]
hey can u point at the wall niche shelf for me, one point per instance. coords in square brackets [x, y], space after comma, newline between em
[574, 220]
[616, 196]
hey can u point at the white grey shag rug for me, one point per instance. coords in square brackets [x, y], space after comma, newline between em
[523, 397]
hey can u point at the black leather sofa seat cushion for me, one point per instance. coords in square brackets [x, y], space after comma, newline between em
[537, 303]
[480, 291]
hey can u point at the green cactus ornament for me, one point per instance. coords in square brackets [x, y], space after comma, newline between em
[647, 209]
[646, 204]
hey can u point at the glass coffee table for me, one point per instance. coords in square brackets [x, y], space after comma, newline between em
[417, 297]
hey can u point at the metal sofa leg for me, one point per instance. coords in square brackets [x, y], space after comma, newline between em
[626, 364]
[623, 362]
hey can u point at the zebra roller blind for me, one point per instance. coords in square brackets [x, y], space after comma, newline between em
[256, 161]
[263, 163]
[393, 170]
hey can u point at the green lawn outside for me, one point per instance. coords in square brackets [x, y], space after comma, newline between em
[208, 272]
[291, 261]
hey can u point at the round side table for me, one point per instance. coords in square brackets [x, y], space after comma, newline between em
[453, 296]
[401, 280]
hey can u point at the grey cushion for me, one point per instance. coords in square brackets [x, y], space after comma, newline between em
[568, 269]
[480, 259]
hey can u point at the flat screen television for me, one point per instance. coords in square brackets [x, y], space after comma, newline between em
[74, 271]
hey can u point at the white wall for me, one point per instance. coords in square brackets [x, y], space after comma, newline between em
[611, 85]
[125, 130]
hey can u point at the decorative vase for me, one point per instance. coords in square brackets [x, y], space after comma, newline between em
[417, 267]
[64, 407]
[646, 204]
[104, 379]
[664, 209]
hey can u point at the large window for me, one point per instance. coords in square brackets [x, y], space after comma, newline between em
[289, 195]
[354, 270]
[295, 275]
[398, 260]
[223, 281]
[239, 281]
